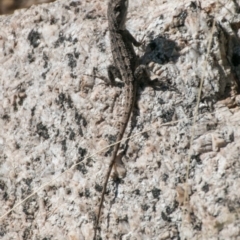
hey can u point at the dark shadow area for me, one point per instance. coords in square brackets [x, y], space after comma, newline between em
[160, 50]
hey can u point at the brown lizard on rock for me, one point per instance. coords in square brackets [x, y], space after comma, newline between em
[126, 68]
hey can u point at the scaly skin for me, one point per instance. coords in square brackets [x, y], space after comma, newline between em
[125, 61]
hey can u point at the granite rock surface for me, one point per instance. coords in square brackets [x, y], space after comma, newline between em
[57, 118]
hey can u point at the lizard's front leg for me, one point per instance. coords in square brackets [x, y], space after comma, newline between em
[131, 38]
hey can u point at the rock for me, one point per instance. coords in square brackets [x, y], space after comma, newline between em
[180, 170]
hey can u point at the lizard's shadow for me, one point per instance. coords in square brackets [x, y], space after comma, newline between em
[160, 50]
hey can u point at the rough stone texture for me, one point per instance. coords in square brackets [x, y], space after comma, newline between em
[52, 116]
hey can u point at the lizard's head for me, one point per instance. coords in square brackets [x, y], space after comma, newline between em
[117, 11]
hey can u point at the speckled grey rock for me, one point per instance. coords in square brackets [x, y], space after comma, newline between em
[182, 181]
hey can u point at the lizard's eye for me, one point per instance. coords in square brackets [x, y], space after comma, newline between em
[117, 8]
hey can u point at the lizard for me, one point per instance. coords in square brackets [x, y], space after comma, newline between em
[127, 69]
